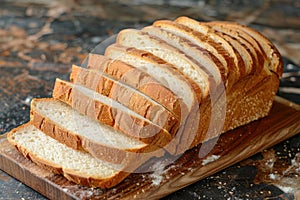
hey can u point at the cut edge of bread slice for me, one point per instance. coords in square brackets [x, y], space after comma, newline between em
[230, 45]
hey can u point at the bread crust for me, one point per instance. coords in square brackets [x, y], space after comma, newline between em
[72, 175]
[139, 80]
[127, 96]
[201, 28]
[243, 39]
[269, 51]
[215, 68]
[160, 44]
[215, 48]
[118, 119]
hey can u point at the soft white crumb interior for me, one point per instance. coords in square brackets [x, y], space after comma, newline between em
[49, 149]
[77, 123]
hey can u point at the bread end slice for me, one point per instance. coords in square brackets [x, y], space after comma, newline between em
[77, 166]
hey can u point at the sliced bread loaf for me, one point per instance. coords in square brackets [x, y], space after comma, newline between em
[110, 112]
[171, 55]
[125, 95]
[77, 166]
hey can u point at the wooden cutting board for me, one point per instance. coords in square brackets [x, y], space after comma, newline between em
[232, 147]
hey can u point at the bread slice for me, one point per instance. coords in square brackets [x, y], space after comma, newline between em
[59, 121]
[77, 166]
[125, 95]
[111, 113]
[187, 65]
[137, 79]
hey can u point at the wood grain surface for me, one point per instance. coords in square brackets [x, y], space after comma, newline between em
[232, 147]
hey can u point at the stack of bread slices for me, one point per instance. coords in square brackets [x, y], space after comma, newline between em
[160, 90]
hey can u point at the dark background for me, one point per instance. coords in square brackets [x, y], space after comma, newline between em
[39, 40]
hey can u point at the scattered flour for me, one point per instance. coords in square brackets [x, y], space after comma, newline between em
[83, 192]
[286, 189]
[28, 100]
[158, 172]
[210, 159]
[273, 176]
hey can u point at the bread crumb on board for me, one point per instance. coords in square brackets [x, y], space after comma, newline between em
[157, 175]
[210, 159]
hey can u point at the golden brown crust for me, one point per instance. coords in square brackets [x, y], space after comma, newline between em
[116, 118]
[212, 46]
[234, 35]
[251, 100]
[127, 96]
[72, 175]
[154, 59]
[270, 50]
[245, 40]
[137, 79]
[201, 28]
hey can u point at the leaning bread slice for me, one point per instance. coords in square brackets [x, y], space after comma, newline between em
[125, 95]
[77, 166]
[137, 79]
[111, 113]
[187, 65]
[59, 121]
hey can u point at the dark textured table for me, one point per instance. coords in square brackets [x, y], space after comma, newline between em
[39, 41]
